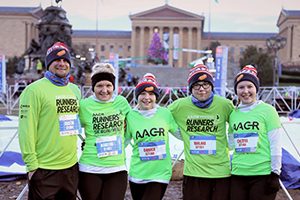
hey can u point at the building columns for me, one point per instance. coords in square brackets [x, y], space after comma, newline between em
[133, 43]
[180, 57]
[190, 44]
[198, 38]
[142, 53]
[171, 41]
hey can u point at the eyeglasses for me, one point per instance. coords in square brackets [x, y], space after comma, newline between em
[204, 85]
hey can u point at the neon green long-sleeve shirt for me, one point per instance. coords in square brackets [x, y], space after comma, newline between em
[44, 141]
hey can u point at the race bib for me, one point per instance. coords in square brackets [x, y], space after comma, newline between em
[245, 142]
[203, 144]
[69, 125]
[109, 146]
[152, 150]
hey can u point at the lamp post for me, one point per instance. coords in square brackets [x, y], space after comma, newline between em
[276, 43]
[92, 54]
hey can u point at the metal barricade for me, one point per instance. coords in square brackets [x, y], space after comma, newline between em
[284, 99]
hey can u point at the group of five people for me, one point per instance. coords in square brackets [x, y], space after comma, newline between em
[52, 114]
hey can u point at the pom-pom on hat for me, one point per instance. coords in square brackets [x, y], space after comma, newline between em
[148, 84]
[199, 73]
[248, 73]
[101, 72]
[58, 50]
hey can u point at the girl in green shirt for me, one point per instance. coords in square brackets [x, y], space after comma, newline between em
[254, 133]
[148, 125]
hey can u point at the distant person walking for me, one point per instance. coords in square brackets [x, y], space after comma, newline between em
[254, 133]
[48, 128]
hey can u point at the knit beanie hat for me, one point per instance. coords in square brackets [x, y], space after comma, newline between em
[199, 73]
[57, 51]
[248, 73]
[148, 84]
[101, 72]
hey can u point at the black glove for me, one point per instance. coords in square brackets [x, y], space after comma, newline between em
[272, 183]
[82, 145]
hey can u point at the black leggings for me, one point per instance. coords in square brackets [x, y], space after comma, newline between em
[147, 191]
[250, 188]
[103, 186]
[195, 188]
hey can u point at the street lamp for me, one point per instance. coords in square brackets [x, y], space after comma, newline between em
[276, 43]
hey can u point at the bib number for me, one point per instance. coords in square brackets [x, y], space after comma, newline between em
[109, 146]
[69, 125]
[152, 150]
[245, 142]
[203, 145]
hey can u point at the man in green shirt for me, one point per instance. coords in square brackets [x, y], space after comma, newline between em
[202, 119]
[48, 128]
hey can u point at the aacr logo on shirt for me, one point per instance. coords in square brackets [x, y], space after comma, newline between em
[150, 133]
[248, 125]
[206, 124]
[106, 123]
[24, 109]
[66, 104]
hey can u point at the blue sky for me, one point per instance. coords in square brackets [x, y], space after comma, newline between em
[226, 15]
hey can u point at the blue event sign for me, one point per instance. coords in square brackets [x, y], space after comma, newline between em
[221, 70]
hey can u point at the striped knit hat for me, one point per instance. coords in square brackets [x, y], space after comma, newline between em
[199, 73]
[248, 73]
[148, 84]
[57, 51]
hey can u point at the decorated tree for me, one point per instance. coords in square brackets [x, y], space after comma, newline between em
[156, 53]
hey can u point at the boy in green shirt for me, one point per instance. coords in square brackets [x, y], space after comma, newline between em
[202, 119]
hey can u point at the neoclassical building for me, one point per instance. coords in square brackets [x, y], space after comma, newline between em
[177, 29]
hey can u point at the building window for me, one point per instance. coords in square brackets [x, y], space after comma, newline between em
[102, 48]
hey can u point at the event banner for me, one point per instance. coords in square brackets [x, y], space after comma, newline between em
[2, 74]
[221, 70]
[114, 61]
[166, 44]
[175, 46]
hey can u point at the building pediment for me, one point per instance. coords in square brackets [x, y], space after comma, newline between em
[287, 14]
[166, 12]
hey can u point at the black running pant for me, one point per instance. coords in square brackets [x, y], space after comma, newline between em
[195, 188]
[54, 184]
[147, 191]
[251, 188]
[103, 186]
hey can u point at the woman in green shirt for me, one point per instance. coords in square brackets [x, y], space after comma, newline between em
[254, 133]
[102, 166]
[148, 125]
